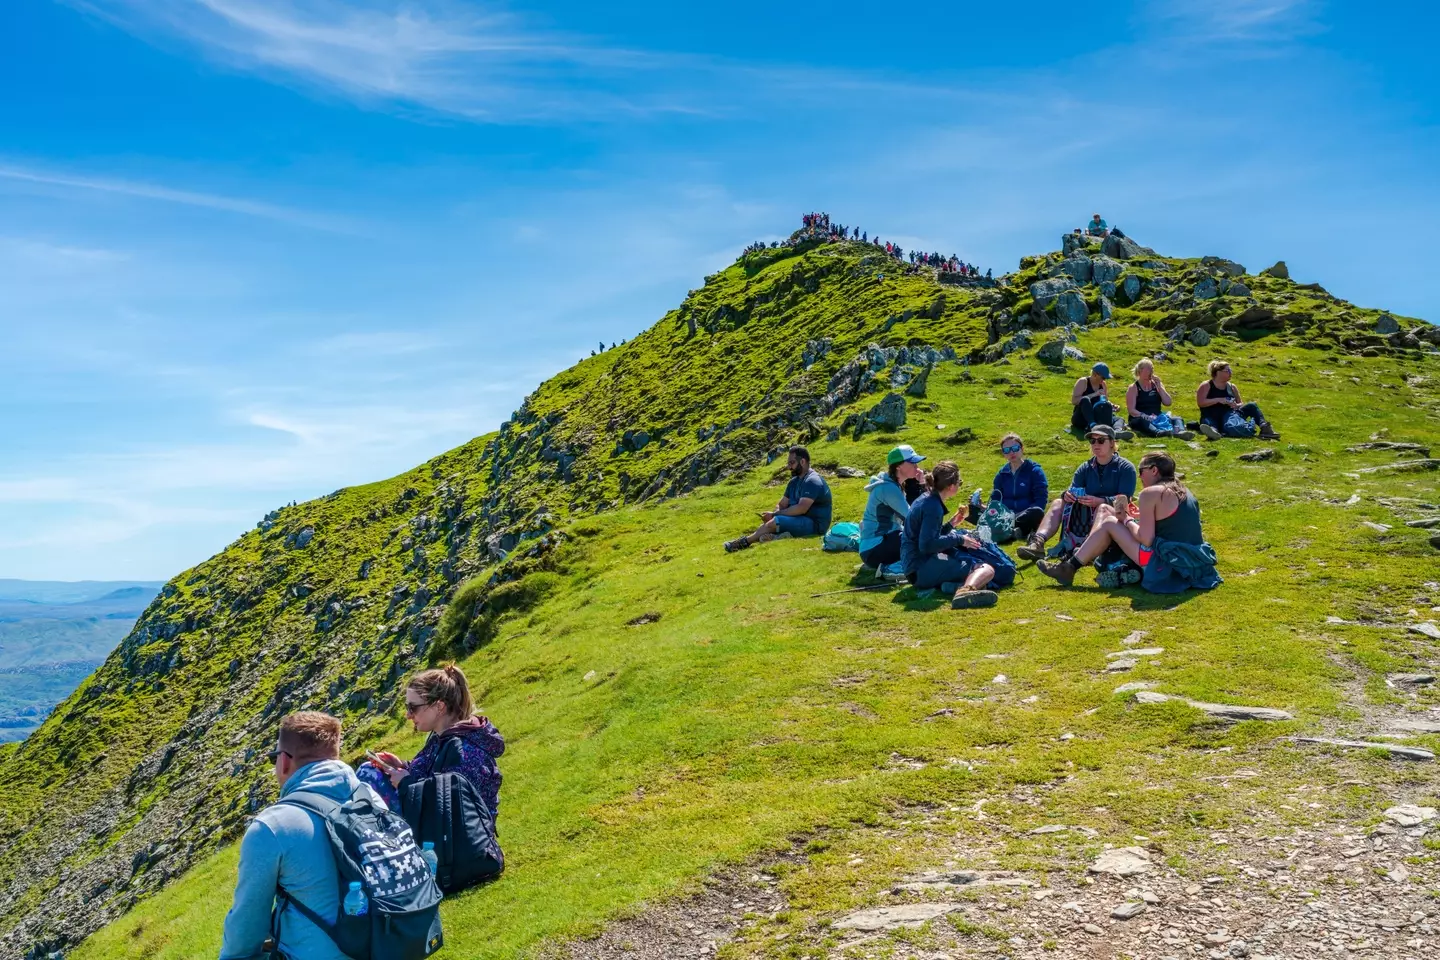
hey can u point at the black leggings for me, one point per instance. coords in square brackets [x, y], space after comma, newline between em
[1090, 411]
[885, 552]
[1217, 418]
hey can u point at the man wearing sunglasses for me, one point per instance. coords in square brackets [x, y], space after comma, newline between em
[287, 847]
[1105, 483]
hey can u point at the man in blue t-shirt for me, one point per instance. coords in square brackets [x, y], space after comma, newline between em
[1096, 227]
[804, 511]
[1108, 483]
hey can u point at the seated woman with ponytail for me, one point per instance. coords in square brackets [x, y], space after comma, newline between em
[438, 702]
[1165, 538]
[428, 791]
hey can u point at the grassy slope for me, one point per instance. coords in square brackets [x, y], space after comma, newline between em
[171, 729]
[752, 712]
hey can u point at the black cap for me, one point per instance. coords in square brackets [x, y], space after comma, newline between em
[1102, 430]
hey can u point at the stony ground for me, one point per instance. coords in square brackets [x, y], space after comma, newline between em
[1357, 878]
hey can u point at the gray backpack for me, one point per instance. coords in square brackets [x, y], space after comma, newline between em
[374, 847]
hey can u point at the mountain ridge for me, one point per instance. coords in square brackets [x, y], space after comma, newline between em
[152, 763]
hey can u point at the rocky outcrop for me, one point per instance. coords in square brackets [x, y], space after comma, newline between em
[1046, 292]
[1121, 248]
[1279, 271]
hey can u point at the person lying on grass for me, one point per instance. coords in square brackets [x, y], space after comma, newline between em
[1106, 479]
[934, 552]
[1222, 414]
[804, 511]
[1164, 537]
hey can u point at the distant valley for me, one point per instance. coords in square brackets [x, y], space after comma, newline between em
[52, 636]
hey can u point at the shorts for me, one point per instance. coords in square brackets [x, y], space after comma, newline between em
[795, 526]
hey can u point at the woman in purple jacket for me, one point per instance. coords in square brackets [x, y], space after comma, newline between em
[438, 702]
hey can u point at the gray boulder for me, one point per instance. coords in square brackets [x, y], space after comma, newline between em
[1107, 288]
[1077, 268]
[1070, 243]
[918, 385]
[888, 414]
[1103, 269]
[1220, 265]
[1207, 289]
[1106, 308]
[1200, 338]
[1279, 271]
[1121, 248]
[1130, 287]
[1046, 292]
[1070, 307]
[1072, 352]
[1051, 351]
[1386, 324]
[1237, 289]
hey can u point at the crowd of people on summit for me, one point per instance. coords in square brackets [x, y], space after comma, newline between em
[908, 531]
[818, 226]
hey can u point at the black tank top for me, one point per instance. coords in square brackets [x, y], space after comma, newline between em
[1216, 393]
[1182, 526]
[1215, 413]
[1147, 401]
[1090, 387]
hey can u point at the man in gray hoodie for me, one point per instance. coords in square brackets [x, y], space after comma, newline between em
[287, 847]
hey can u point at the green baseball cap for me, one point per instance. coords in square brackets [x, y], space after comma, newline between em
[902, 454]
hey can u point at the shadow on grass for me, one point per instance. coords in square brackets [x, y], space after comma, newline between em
[1140, 599]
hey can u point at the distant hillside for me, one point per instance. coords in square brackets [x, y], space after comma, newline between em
[540, 549]
[77, 591]
[52, 636]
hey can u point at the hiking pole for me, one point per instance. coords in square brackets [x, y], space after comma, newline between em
[870, 586]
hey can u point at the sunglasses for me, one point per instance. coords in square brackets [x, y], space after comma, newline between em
[277, 754]
[413, 708]
[1012, 448]
[1097, 441]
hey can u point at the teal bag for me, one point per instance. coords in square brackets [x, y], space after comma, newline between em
[842, 537]
[1001, 521]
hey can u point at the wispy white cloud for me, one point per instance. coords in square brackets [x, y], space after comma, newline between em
[149, 191]
[1236, 21]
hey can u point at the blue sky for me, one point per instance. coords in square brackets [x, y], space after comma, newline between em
[255, 250]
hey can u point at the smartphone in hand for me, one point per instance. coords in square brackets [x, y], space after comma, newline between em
[375, 759]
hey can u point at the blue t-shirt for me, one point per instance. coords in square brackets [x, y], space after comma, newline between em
[1116, 477]
[811, 485]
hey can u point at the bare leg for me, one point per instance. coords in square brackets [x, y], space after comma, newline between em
[766, 531]
[1113, 530]
[981, 575]
[1051, 522]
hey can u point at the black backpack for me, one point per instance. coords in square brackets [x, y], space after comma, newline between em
[374, 846]
[445, 809]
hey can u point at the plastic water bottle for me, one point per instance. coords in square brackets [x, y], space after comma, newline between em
[427, 853]
[356, 903]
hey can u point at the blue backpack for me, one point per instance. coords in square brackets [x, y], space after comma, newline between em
[374, 847]
[1238, 426]
[842, 537]
[997, 558]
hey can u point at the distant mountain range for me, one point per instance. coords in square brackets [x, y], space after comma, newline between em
[53, 635]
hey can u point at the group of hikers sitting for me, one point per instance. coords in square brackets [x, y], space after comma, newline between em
[908, 531]
[1222, 413]
[354, 862]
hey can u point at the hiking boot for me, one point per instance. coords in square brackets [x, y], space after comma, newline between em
[971, 599]
[1125, 434]
[948, 588]
[1183, 434]
[1267, 432]
[1034, 549]
[739, 543]
[1209, 431]
[1107, 579]
[1061, 571]
[1131, 576]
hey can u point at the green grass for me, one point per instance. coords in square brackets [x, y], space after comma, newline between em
[641, 757]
